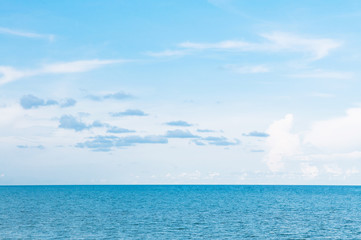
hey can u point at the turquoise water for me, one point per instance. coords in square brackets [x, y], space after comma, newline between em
[180, 212]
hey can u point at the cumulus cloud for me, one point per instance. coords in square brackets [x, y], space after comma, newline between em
[281, 143]
[107, 143]
[180, 134]
[256, 134]
[115, 96]
[339, 134]
[70, 122]
[69, 102]
[328, 142]
[129, 112]
[9, 74]
[30, 101]
[178, 124]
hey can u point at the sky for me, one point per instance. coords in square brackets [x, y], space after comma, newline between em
[180, 92]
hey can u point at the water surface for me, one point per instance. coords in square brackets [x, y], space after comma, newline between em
[180, 212]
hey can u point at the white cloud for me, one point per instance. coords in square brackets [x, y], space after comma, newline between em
[8, 31]
[9, 114]
[316, 48]
[281, 143]
[247, 69]
[322, 95]
[168, 53]
[318, 73]
[333, 170]
[328, 142]
[9, 74]
[236, 45]
[309, 171]
[341, 134]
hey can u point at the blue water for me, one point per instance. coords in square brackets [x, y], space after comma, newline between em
[180, 212]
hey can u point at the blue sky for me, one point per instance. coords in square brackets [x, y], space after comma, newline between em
[180, 92]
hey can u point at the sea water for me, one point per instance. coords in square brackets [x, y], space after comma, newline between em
[180, 212]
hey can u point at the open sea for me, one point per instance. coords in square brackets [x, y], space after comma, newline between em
[180, 212]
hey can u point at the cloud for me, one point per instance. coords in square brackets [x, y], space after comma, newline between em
[168, 53]
[9, 31]
[220, 141]
[315, 48]
[205, 130]
[40, 147]
[69, 102]
[256, 134]
[257, 150]
[70, 122]
[281, 143]
[247, 69]
[115, 96]
[129, 112]
[327, 141]
[323, 74]
[30, 101]
[309, 171]
[107, 143]
[180, 134]
[340, 134]
[322, 95]
[216, 141]
[9, 74]
[199, 143]
[114, 129]
[178, 124]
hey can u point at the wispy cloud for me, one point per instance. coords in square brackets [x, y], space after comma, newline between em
[25, 34]
[180, 134]
[107, 143]
[179, 123]
[247, 69]
[315, 48]
[168, 53]
[256, 134]
[322, 95]
[114, 129]
[205, 130]
[221, 141]
[129, 112]
[40, 147]
[115, 96]
[319, 73]
[217, 141]
[9, 74]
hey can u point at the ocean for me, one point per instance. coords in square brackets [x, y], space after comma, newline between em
[180, 212]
